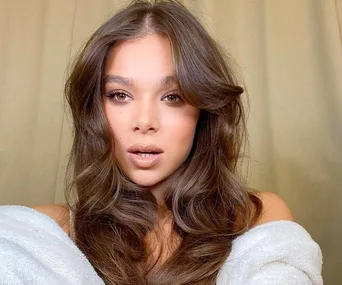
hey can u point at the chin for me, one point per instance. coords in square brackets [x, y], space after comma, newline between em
[146, 181]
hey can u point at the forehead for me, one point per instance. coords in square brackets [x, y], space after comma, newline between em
[142, 58]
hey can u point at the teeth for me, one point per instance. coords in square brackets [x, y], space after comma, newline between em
[144, 154]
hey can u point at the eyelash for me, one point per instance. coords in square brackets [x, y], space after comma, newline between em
[112, 96]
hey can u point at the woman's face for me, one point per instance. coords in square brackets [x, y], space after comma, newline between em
[153, 127]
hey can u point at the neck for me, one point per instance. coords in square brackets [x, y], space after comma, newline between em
[159, 191]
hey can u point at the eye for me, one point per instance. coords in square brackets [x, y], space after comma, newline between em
[118, 96]
[172, 98]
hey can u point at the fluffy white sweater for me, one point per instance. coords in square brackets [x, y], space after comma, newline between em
[35, 250]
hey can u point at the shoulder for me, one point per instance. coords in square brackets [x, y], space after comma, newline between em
[59, 213]
[274, 208]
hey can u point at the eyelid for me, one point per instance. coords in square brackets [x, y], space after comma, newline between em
[174, 93]
[112, 93]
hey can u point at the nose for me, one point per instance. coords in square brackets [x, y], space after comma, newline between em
[145, 118]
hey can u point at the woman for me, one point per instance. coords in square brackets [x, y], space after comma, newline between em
[158, 129]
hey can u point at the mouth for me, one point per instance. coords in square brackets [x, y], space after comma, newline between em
[145, 160]
[145, 156]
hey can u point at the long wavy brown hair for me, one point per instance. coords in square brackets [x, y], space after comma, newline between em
[209, 204]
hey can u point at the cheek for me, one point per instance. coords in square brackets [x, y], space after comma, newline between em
[117, 124]
[188, 130]
[183, 132]
[115, 119]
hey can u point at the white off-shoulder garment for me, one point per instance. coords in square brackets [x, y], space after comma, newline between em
[35, 250]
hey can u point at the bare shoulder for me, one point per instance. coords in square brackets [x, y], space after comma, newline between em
[59, 213]
[274, 208]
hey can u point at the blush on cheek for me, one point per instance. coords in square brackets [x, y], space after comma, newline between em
[190, 146]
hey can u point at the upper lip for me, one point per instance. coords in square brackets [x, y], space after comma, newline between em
[144, 148]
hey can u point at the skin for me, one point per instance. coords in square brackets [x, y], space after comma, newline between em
[143, 105]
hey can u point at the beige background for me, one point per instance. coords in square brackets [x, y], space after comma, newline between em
[289, 53]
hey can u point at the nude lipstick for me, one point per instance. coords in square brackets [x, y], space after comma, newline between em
[145, 155]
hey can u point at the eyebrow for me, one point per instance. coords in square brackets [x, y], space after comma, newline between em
[167, 80]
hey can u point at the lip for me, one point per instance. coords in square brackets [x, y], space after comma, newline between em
[144, 148]
[145, 162]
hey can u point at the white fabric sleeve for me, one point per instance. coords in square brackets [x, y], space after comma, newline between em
[278, 252]
[279, 273]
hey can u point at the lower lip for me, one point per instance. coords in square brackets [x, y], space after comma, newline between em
[145, 162]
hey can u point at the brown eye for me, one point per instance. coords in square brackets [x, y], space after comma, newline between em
[173, 98]
[118, 96]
